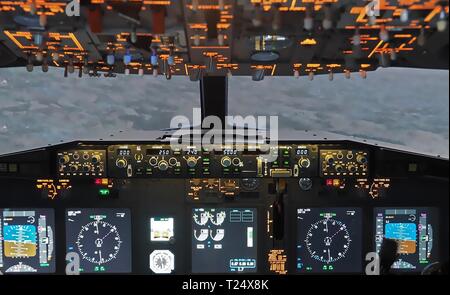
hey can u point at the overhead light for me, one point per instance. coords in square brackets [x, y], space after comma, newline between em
[384, 34]
[55, 56]
[221, 39]
[38, 39]
[33, 7]
[229, 73]
[308, 21]
[327, 22]
[363, 74]
[133, 35]
[45, 65]
[404, 15]
[384, 60]
[70, 67]
[195, 5]
[86, 69]
[257, 20]
[393, 54]
[221, 5]
[110, 59]
[43, 19]
[258, 75]
[422, 38]
[331, 76]
[195, 74]
[127, 57]
[356, 38]
[30, 65]
[39, 56]
[196, 39]
[442, 22]
[277, 21]
[347, 74]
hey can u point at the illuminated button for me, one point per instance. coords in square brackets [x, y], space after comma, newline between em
[329, 159]
[153, 161]
[352, 168]
[121, 163]
[163, 165]
[95, 159]
[192, 162]
[339, 168]
[226, 162]
[304, 163]
[361, 159]
[173, 161]
[64, 159]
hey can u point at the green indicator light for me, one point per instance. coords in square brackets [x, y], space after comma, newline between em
[286, 162]
[104, 192]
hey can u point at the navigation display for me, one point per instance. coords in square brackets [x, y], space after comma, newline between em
[414, 229]
[27, 241]
[224, 240]
[102, 238]
[329, 240]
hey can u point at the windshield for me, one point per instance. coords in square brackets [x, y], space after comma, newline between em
[402, 106]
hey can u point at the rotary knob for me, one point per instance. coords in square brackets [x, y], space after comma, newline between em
[352, 168]
[226, 162]
[191, 162]
[64, 159]
[163, 165]
[361, 159]
[304, 163]
[305, 183]
[86, 168]
[95, 159]
[73, 168]
[329, 159]
[121, 163]
[339, 168]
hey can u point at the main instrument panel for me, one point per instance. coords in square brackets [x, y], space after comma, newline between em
[149, 207]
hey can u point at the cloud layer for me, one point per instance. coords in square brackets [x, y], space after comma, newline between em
[402, 106]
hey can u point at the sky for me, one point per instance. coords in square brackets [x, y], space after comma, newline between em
[402, 106]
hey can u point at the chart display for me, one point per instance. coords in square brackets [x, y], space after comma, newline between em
[224, 240]
[102, 238]
[329, 240]
[27, 241]
[161, 229]
[414, 229]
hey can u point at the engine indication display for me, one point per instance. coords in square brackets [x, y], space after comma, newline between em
[224, 240]
[161, 229]
[27, 241]
[413, 229]
[102, 238]
[329, 240]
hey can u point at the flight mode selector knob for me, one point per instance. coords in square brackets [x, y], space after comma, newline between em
[191, 162]
[121, 163]
[304, 163]
[163, 165]
[329, 159]
[226, 162]
[64, 159]
[95, 159]
[361, 159]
